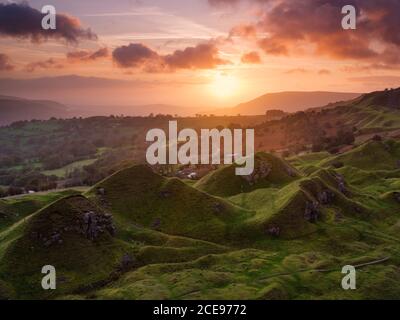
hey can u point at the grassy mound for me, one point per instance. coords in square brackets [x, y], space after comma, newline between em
[140, 196]
[73, 235]
[374, 155]
[270, 171]
[17, 208]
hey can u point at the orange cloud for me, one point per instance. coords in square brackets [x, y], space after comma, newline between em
[84, 55]
[251, 58]
[137, 55]
[286, 25]
[5, 63]
[46, 64]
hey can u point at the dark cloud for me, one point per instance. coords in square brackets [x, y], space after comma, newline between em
[251, 58]
[84, 55]
[286, 25]
[5, 63]
[46, 64]
[25, 22]
[136, 55]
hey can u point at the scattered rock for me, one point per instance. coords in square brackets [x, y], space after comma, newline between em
[377, 137]
[218, 207]
[396, 196]
[101, 191]
[326, 197]
[260, 172]
[274, 231]
[290, 172]
[311, 212]
[341, 184]
[90, 225]
[165, 194]
[156, 224]
[127, 261]
[337, 164]
[357, 209]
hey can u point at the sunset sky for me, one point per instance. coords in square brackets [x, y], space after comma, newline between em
[205, 52]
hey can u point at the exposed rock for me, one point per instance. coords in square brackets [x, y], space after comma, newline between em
[90, 225]
[396, 196]
[357, 209]
[156, 224]
[260, 172]
[337, 164]
[311, 212]
[218, 207]
[290, 172]
[274, 231]
[326, 197]
[165, 194]
[95, 224]
[341, 184]
[377, 137]
[127, 261]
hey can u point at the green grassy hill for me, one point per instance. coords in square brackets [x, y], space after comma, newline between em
[270, 171]
[72, 234]
[138, 195]
[282, 235]
[373, 155]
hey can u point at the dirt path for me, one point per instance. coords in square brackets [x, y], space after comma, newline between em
[326, 270]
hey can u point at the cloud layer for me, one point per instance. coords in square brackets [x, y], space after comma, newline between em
[5, 63]
[46, 64]
[84, 55]
[24, 22]
[285, 27]
[251, 58]
[137, 55]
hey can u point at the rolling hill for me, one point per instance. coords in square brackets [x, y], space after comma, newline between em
[15, 109]
[291, 101]
[284, 232]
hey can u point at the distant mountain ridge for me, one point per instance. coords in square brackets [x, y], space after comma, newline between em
[95, 96]
[14, 109]
[292, 101]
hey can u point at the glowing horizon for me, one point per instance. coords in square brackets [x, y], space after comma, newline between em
[206, 53]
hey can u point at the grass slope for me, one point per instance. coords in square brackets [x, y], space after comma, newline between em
[140, 196]
[79, 261]
[224, 182]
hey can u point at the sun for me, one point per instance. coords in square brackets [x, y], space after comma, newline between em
[224, 85]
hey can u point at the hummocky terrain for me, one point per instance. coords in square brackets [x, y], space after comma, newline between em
[278, 234]
[284, 232]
